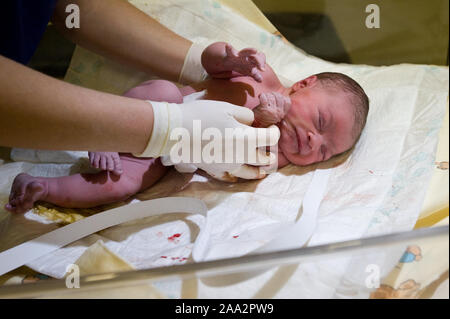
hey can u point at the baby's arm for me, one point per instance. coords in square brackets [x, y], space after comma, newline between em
[221, 60]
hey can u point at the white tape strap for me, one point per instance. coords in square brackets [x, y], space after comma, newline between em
[293, 236]
[27, 252]
[296, 235]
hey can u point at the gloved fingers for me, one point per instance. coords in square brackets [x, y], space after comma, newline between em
[186, 168]
[267, 136]
[272, 152]
[242, 114]
[263, 158]
[194, 96]
[166, 161]
[223, 176]
[248, 172]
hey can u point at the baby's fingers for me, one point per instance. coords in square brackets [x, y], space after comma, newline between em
[256, 75]
[263, 99]
[258, 59]
[247, 52]
[231, 52]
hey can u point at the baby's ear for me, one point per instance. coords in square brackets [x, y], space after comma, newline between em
[310, 81]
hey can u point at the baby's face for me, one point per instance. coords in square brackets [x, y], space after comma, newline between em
[318, 125]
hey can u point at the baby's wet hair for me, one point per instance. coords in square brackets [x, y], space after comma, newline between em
[358, 97]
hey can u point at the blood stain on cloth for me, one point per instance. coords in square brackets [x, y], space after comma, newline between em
[173, 238]
[236, 236]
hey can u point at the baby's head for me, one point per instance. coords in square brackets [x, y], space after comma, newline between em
[327, 116]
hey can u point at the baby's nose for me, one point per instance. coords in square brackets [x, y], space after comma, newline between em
[314, 141]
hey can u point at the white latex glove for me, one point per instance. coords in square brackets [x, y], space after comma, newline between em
[218, 115]
[229, 172]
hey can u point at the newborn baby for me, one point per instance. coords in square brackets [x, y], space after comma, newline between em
[319, 117]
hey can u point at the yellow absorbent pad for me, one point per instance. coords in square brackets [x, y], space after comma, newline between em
[98, 259]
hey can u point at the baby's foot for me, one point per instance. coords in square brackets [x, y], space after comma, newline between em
[25, 191]
[107, 161]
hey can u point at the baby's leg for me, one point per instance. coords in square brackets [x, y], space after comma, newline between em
[86, 190]
[156, 90]
[89, 190]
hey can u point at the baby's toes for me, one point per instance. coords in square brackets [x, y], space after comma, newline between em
[95, 161]
[117, 171]
[14, 204]
[110, 164]
[117, 165]
[33, 193]
[9, 208]
[103, 163]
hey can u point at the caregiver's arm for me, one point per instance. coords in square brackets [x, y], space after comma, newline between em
[118, 30]
[40, 112]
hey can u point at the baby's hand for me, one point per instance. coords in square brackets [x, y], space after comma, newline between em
[272, 109]
[246, 62]
[107, 161]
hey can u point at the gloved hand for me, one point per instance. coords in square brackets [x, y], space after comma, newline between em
[229, 172]
[219, 116]
[107, 161]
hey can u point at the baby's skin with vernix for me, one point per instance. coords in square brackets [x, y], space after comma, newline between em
[315, 124]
